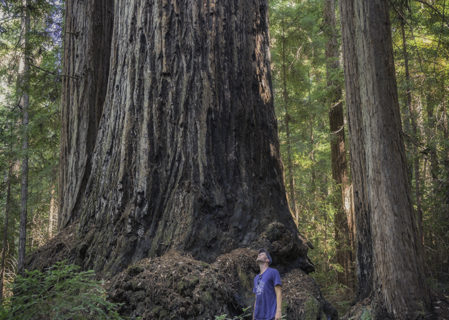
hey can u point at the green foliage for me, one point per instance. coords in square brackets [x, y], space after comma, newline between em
[427, 149]
[61, 292]
[299, 64]
[44, 56]
[245, 315]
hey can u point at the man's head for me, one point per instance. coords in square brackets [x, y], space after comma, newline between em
[264, 257]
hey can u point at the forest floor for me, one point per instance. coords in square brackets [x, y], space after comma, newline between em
[177, 286]
[185, 288]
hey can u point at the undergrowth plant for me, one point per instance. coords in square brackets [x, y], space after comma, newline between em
[245, 315]
[62, 292]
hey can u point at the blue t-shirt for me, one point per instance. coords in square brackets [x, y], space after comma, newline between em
[265, 295]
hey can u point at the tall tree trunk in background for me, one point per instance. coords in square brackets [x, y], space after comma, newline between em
[5, 229]
[186, 153]
[344, 214]
[290, 170]
[430, 136]
[445, 125]
[387, 230]
[24, 104]
[415, 139]
[313, 179]
[53, 213]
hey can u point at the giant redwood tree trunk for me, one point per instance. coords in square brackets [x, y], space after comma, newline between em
[386, 224]
[185, 152]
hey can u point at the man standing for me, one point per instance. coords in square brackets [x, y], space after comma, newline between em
[267, 287]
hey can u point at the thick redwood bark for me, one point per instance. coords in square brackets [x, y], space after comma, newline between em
[387, 230]
[186, 153]
[344, 214]
[87, 48]
[364, 254]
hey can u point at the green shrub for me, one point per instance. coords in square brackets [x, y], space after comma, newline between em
[245, 315]
[61, 292]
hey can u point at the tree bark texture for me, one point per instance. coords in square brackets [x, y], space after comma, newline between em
[23, 78]
[344, 214]
[5, 230]
[386, 225]
[186, 155]
[87, 45]
[364, 255]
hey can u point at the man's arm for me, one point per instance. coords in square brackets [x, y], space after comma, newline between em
[278, 290]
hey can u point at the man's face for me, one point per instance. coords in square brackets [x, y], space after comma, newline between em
[262, 257]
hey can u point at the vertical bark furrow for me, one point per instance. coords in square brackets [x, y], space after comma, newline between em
[361, 204]
[186, 155]
[387, 230]
[86, 65]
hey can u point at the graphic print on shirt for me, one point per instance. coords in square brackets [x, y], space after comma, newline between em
[260, 286]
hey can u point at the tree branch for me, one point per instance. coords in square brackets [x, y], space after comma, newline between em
[434, 10]
[53, 73]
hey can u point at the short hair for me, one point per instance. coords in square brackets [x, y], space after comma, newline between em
[268, 255]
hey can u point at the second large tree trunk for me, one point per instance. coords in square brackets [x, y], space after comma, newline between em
[386, 223]
[186, 153]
